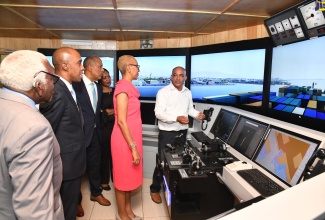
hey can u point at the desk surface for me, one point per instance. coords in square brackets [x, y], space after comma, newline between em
[303, 201]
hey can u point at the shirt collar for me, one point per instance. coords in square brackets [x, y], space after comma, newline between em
[67, 84]
[86, 80]
[172, 87]
[21, 94]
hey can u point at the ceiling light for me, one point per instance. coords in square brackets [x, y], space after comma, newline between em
[77, 42]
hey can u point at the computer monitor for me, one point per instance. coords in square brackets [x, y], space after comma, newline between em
[247, 135]
[224, 124]
[230, 73]
[156, 67]
[285, 154]
[297, 85]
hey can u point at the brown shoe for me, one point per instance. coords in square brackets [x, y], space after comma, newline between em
[100, 199]
[155, 196]
[80, 211]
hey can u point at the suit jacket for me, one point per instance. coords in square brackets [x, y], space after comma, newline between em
[91, 118]
[67, 123]
[30, 163]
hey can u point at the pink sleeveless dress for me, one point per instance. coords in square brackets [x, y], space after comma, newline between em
[126, 176]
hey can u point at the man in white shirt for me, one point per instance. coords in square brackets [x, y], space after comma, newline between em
[173, 106]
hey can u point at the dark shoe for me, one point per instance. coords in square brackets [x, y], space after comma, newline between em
[107, 188]
[101, 200]
[155, 196]
[80, 211]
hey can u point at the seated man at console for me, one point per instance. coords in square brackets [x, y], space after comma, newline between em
[173, 105]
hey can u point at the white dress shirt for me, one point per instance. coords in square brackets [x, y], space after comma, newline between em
[70, 88]
[88, 87]
[171, 103]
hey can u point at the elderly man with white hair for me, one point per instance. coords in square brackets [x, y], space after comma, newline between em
[30, 162]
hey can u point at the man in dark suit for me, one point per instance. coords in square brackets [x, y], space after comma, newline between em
[89, 94]
[65, 116]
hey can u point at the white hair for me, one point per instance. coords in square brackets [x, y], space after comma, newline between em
[18, 69]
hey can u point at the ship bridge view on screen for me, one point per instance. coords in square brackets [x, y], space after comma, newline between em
[234, 77]
[297, 80]
[151, 78]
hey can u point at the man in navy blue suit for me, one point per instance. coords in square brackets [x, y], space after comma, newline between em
[89, 94]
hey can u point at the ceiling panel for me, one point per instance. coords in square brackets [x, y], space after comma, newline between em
[71, 18]
[9, 19]
[91, 3]
[163, 21]
[263, 8]
[210, 5]
[131, 19]
[228, 22]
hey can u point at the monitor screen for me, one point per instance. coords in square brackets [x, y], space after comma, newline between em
[155, 73]
[233, 78]
[247, 135]
[156, 67]
[297, 80]
[285, 154]
[224, 124]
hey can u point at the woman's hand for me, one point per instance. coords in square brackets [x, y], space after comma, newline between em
[110, 111]
[136, 156]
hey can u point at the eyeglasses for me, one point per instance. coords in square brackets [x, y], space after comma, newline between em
[138, 66]
[55, 77]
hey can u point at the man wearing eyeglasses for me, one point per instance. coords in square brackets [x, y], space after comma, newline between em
[65, 115]
[173, 106]
[30, 162]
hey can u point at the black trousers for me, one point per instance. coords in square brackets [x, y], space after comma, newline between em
[164, 137]
[69, 191]
[93, 154]
[106, 165]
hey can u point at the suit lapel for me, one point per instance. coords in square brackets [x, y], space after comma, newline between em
[68, 93]
[85, 94]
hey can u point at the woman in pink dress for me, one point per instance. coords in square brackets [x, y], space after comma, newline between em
[126, 141]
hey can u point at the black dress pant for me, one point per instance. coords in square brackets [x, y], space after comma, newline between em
[69, 191]
[164, 137]
[93, 153]
[106, 166]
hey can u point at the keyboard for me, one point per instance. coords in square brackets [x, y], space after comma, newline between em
[200, 136]
[259, 181]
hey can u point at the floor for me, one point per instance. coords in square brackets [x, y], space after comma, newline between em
[141, 203]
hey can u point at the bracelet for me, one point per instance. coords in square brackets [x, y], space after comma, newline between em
[133, 145]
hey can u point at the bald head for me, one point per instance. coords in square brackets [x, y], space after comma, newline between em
[67, 64]
[123, 62]
[62, 55]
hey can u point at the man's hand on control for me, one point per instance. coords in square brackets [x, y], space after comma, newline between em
[200, 116]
